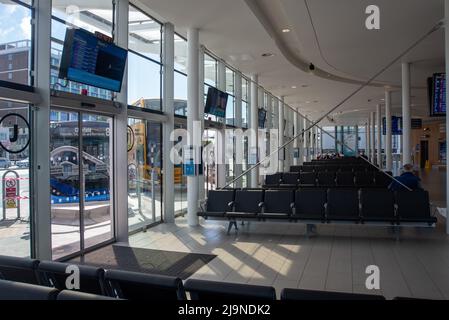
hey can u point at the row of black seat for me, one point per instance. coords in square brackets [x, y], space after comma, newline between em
[325, 205]
[29, 279]
[329, 179]
[332, 168]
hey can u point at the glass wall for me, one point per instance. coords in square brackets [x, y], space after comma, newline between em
[97, 16]
[329, 140]
[180, 85]
[15, 41]
[180, 180]
[144, 61]
[15, 215]
[144, 173]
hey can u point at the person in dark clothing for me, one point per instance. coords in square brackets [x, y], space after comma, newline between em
[408, 178]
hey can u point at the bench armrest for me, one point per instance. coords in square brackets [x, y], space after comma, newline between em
[203, 205]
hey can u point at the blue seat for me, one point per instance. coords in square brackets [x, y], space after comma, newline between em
[247, 204]
[343, 205]
[278, 204]
[414, 206]
[68, 295]
[300, 294]
[310, 204]
[219, 291]
[19, 269]
[10, 290]
[53, 274]
[218, 203]
[141, 286]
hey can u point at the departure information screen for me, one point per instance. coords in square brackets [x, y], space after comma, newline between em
[439, 95]
[89, 60]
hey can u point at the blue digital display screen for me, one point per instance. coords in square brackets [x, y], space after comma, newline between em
[396, 126]
[439, 95]
[89, 60]
[262, 118]
[216, 102]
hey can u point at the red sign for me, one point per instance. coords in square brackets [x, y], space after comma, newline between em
[11, 192]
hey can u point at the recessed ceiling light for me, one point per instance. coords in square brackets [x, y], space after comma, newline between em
[307, 101]
[286, 30]
[294, 87]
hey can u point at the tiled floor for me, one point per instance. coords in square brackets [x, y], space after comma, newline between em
[334, 260]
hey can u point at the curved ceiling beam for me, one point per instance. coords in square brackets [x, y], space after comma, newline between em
[296, 59]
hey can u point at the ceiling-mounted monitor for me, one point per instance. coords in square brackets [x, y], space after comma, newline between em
[396, 126]
[262, 118]
[92, 60]
[216, 102]
[437, 94]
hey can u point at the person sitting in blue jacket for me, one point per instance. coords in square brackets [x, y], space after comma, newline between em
[407, 178]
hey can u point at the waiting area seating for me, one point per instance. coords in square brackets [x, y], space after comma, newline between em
[124, 285]
[336, 191]
[347, 190]
[320, 205]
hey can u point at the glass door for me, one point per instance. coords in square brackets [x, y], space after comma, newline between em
[144, 173]
[81, 186]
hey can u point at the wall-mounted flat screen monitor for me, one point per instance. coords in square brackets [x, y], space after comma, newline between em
[93, 61]
[437, 94]
[262, 118]
[216, 102]
[396, 126]
[417, 124]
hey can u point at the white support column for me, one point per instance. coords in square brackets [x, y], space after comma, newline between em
[168, 53]
[201, 178]
[373, 137]
[309, 141]
[238, 123]
[388, 137]
[41, 233]
[368, 139]
[446, 14]
[281, 134]
[406, 115]
[306, 140]
[192, 117]
[301, 140]
[121, 129]
[295, 133]
[321, 141]
[221, 135]
[254, 140]
[379, 135]
[269, 112]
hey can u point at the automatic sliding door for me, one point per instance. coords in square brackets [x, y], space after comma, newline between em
[81, 203]
[97, 181]
[65, 183]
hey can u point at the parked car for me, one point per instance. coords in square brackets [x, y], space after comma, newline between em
[5, 163]
[25, 163]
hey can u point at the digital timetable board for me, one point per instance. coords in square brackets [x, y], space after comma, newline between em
[437, 95]
[93, 61]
